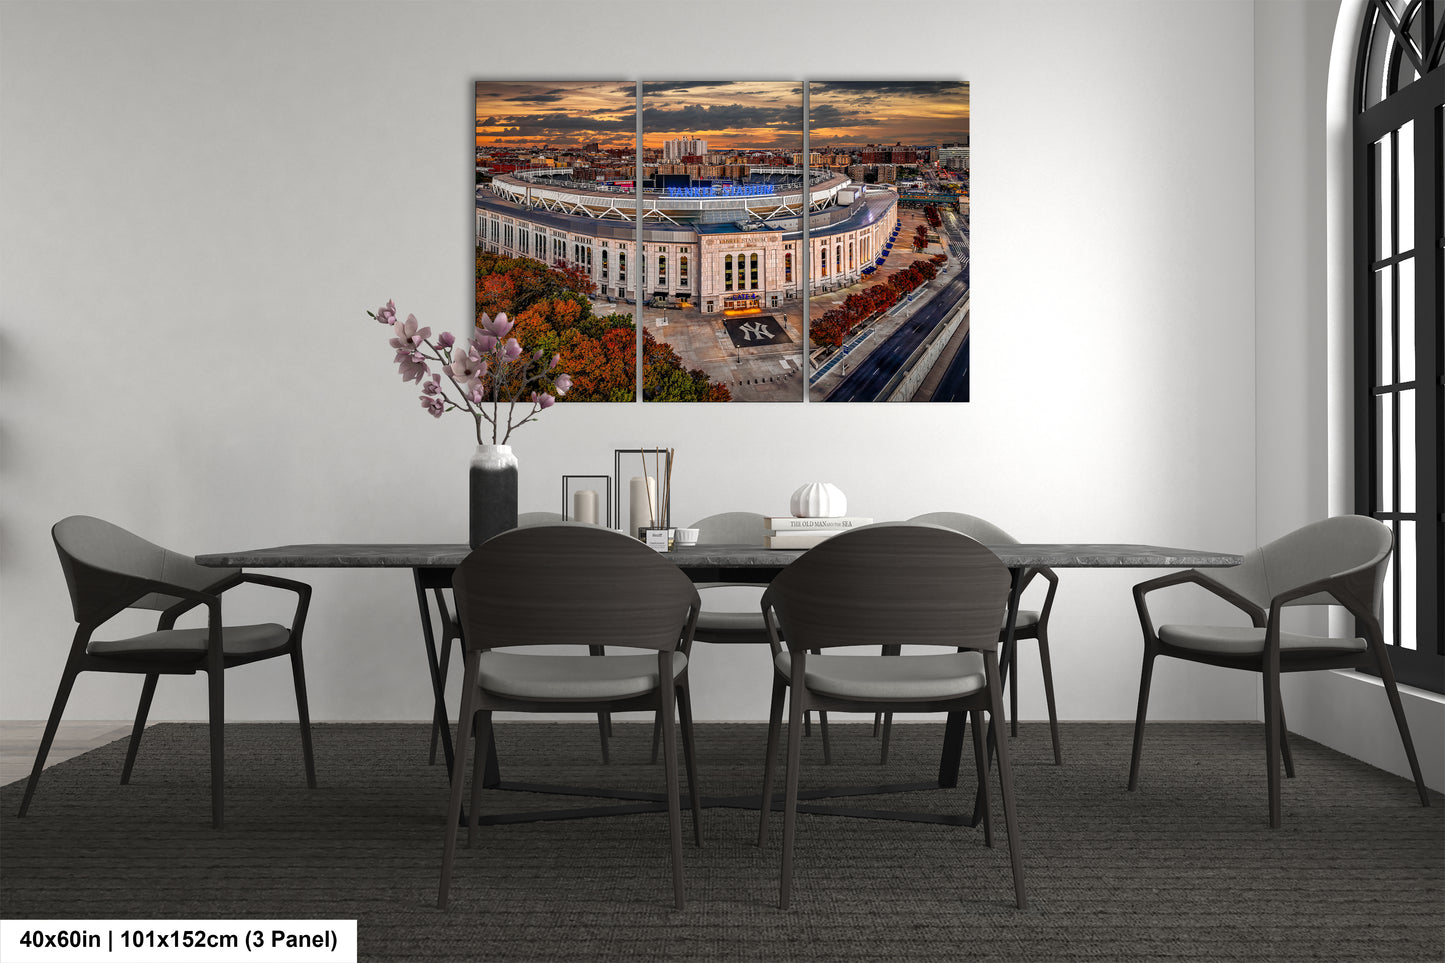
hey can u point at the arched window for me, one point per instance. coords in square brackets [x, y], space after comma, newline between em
[787, 268]
[728, 273]
[604, 264]
[1399, 261]
[621, 267]
[823, 261]
[662, 270]
[753, 272]
[682, 270]
[850, 255]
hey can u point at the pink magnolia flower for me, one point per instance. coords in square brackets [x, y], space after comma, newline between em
[413, 367]
[409, 334]
[497, 327]
[492, 372]
[467, 368]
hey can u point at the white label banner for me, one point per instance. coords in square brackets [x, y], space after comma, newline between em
[184, 941]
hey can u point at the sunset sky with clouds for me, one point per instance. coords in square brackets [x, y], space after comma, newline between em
[727, 114]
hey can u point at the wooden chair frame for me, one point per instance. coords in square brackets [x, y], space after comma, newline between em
[1356, 589]
[531, 563]
[827, 599]
[99, 594]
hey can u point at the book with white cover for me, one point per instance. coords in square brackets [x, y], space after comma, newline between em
[799, 539]
[787, 523]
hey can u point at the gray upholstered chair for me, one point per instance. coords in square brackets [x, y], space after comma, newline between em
[531, 519]
[878, 585]
[1030, 624]
[109, 570]
[731, 627]
[573, 585]
[1338, 561]
[451, 634]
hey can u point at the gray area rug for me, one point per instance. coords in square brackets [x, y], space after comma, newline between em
[1185, 869]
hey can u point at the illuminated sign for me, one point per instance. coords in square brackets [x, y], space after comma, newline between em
[720, 190]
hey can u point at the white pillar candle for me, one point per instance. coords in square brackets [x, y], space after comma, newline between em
[643, 503]
[584, 506]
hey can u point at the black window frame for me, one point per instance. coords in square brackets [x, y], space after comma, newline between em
[1398, 40]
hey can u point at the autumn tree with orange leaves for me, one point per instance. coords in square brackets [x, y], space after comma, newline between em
[551, 312]
[838, 324]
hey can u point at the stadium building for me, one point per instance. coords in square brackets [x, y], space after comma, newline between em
[719, 246]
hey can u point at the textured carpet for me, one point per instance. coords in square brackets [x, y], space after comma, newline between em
[1185, 869]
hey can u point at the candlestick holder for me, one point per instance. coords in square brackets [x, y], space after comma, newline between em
[572, 485]
[654, 463]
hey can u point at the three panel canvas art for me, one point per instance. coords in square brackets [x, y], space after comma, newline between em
[771, 266]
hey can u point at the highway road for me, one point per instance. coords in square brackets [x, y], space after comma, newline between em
[872, 373]
[954, 386]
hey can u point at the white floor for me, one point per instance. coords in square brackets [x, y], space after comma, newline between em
[20, 740]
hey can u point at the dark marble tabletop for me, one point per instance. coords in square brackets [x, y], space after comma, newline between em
[441, 555]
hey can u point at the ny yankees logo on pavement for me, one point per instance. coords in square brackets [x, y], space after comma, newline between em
[757, 331]
[753, 330]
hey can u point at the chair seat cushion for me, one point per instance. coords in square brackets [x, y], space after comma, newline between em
[890, 678]
[1027, 619]
[188, 645]
[1247, 640]
[565, 678]
[730, 627]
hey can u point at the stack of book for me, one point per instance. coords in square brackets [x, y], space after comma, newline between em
[795, 533]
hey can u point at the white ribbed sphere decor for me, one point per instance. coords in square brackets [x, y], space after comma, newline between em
[819, 500]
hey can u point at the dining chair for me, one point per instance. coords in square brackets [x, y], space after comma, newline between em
[109, 570]
[1030, 624]
[451, 635]
[737, 626]
[877, 585]
[577, 586]
[1337, 561]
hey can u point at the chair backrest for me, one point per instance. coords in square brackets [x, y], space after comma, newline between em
[100, 560]
[731, 528]
[533, 519]
[976, 528]
[572, 585]
[1318, 550]
[529, 519]
[892, 584]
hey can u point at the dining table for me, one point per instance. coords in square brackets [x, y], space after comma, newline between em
[432, 566]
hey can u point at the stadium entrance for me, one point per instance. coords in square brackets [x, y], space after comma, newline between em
[742, 302]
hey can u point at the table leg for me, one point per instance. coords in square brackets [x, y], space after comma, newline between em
[952, 750]
[434, 664]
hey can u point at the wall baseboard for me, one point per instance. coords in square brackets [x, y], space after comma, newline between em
[1349, 712]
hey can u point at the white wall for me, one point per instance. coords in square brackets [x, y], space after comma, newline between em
[200, 202]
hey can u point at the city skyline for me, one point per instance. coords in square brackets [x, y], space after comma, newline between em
[729, 115]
